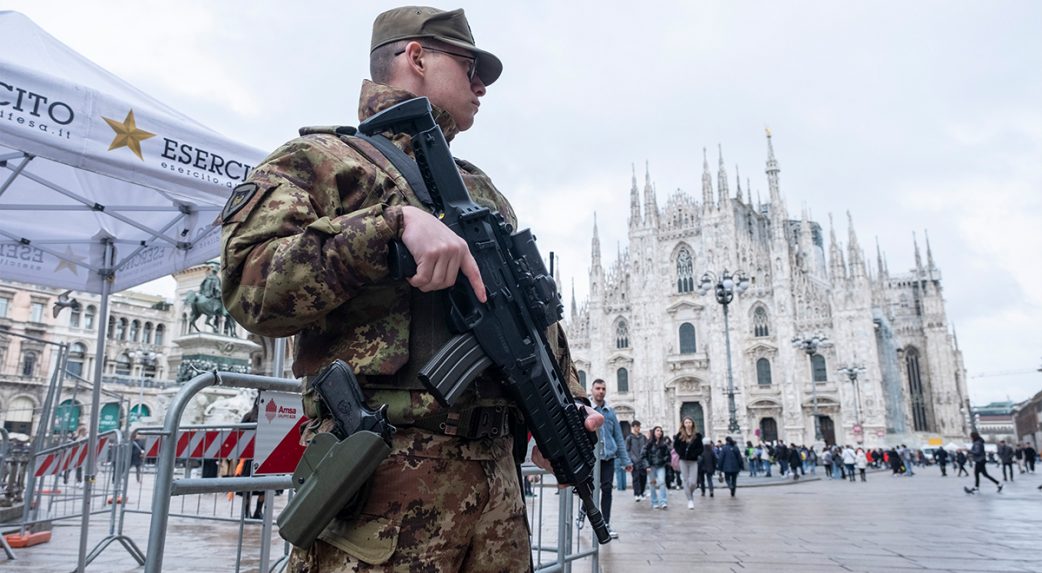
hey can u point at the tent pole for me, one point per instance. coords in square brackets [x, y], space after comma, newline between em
[95, 408]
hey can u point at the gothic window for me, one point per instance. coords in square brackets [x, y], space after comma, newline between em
[160, 329]
[88, 317]
[123, 365]
[74, 317]
[687, 338]
[622, 380]
[29, 359]
[147, 339]
[685, 272]
[761, 325]
[77, 354]
[135, 331]
[820, 369]
[915, 387]
[622, 335]
[582, 378]
[763, 372]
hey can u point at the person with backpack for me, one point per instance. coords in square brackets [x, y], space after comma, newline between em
[750, 458]
[706, 466]
[687, 444]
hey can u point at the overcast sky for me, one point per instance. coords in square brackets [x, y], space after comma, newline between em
[914, 116]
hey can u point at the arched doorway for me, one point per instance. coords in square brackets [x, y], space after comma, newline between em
[694, 411]
[139, 411]
[768, 430]
[67, 416]
[110, 415]
[828, 430]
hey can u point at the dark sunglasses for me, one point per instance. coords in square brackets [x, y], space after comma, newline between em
[472, 61]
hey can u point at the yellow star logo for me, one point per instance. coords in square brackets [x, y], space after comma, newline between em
[127, 134]
[69, 261]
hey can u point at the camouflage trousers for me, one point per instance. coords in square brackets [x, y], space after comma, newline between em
[438, 504]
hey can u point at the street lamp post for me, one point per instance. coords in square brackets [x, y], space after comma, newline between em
[724, 288]
[852, 372]
[810, 346]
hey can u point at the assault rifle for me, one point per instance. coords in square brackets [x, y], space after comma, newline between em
[507, 331]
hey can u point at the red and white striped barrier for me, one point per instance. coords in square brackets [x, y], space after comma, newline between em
[68, 457]
[207, 444]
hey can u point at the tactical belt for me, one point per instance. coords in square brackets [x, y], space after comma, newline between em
[468, 424]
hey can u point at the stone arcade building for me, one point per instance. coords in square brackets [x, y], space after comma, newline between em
[661, 349]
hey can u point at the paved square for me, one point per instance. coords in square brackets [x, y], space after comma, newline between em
[924, 523]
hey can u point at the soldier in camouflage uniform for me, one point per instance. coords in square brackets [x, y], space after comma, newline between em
[305, 253]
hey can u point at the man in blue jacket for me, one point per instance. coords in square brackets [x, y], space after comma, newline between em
[613, 446]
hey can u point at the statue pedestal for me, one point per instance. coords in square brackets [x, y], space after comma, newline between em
[203, 352]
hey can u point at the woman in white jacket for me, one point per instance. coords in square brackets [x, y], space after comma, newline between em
[861, 460]
[848, 460]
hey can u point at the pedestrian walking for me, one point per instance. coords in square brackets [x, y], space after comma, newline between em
[613, 446]
[980, 464]
[896, 466]
[688, 446]
[1006, 456]
[861, 460]
[656, 458]
[768, 459]
[849, 459]
[941, 457]
[706, 467]
[731, 464]
[826, 459]
[795, 461]
[635, 443]
[750, 458]
[1030, 455]
[781, 454]
[906, 458]
[960, 462]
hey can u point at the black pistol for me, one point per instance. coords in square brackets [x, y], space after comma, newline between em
[333, 472]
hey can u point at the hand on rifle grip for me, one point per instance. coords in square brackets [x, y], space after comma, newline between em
[438, 255]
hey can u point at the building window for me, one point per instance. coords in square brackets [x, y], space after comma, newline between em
[19, 415]
[819, 368]
[159, 334]
[88, 317]
[915, 387]
[121, 330]
[687, 338]
[29, 359]
[761, 325]
[5, 303]
[112, 327]
[763, 372]
[685, 272]
[622, 380]
[77, 355]
[123, 365]
[582, 378]
[148, 333]
[74, 317]
[135, 331]
[622, 335]
[36, 309]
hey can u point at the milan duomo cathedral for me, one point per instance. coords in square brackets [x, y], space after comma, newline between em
[661, 347]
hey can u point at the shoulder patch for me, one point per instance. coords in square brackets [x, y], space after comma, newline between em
[241, 195]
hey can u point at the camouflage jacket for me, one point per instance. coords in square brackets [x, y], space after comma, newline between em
[304, 252]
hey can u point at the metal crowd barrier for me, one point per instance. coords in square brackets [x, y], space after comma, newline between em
[5, 446]
[167, 454]
[557, 547]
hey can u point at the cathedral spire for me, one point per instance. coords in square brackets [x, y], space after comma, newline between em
[930, 267]
[879, 262]
[738, 183]
[837, 267]
[650, 200]
[918, 257]
[772, 171]
[721, 180]
[575, 307]
[854, 253]
[595, 247]
[634, 200]
[707, 183]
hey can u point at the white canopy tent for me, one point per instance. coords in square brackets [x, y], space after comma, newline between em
[102, 187]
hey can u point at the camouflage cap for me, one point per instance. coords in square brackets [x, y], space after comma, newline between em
[450, 27]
